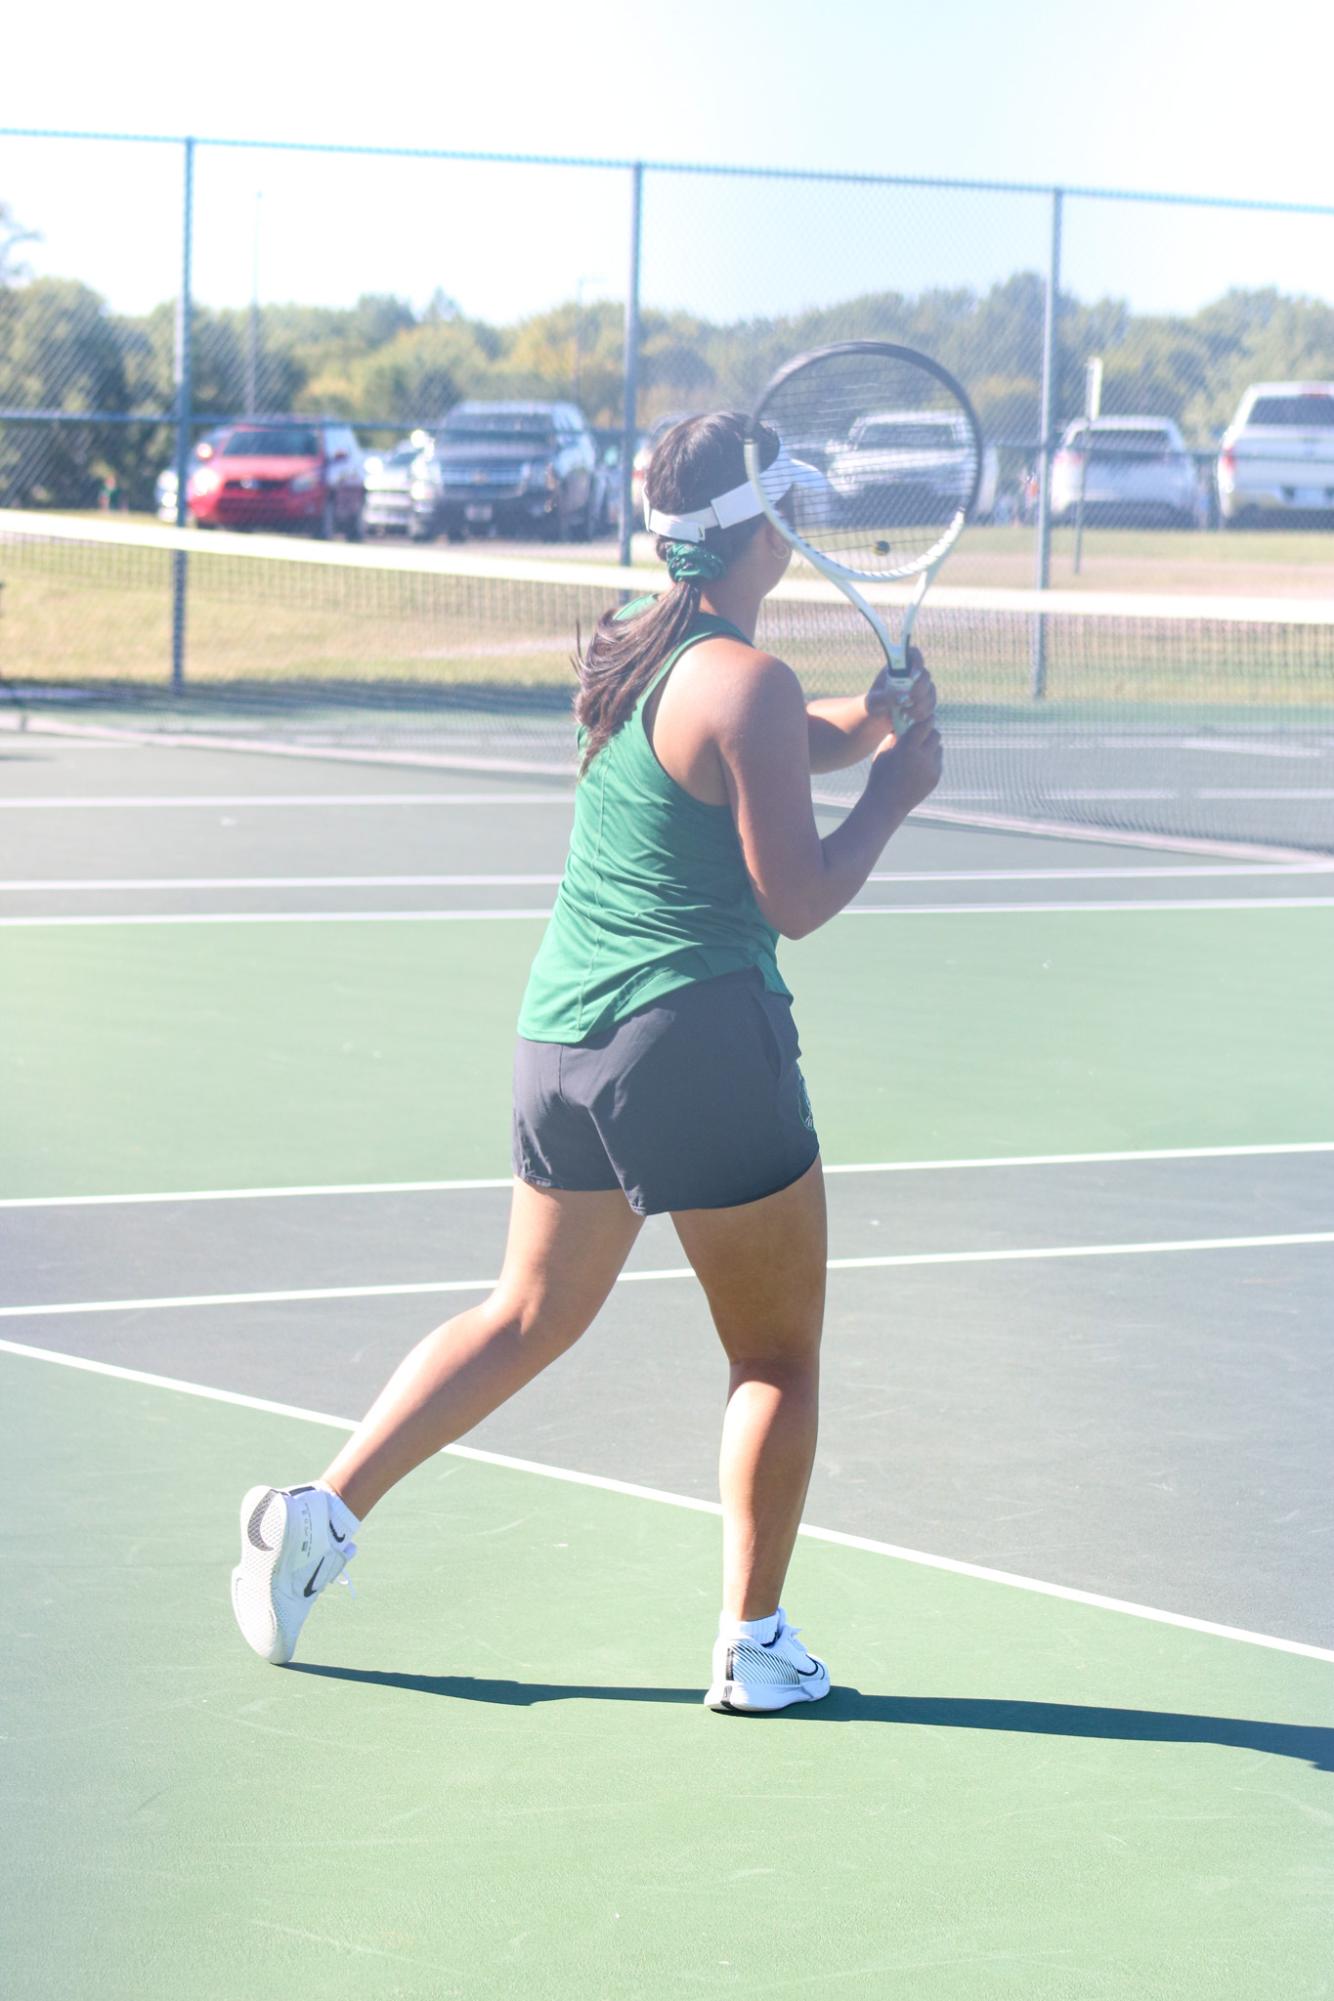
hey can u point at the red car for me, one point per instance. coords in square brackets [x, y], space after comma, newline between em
[306, 476]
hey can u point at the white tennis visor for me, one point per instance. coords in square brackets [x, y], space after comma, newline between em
[741, 503]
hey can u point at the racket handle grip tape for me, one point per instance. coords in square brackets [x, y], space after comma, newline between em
[900, 680]
[902, 677]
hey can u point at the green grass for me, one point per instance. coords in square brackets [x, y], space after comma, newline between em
[1256, 563]
[77, 613]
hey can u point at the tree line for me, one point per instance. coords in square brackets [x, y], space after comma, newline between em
[380, 361]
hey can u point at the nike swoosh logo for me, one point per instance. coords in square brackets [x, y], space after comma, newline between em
[334, 1533]
[816, 1668]
[309, 1591]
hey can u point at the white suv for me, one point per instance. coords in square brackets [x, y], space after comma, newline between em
[1133, 469]
[923, 454]
[1277, 455]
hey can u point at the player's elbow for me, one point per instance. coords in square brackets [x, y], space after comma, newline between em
[801, 923]
[792, 914]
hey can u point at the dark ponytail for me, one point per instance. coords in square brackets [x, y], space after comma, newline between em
[695, 462]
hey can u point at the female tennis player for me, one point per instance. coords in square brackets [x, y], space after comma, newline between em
[656, 1067]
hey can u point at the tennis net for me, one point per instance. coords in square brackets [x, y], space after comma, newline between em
[1184, 720]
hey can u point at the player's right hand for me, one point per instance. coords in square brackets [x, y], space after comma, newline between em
[910, 765]
[886, 697]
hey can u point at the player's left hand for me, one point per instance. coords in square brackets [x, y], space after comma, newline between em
[920, 705]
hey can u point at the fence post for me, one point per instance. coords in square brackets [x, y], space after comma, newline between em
[630, 418]
[184, 372]
[1050, 364]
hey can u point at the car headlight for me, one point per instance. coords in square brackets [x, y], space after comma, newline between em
[204, 481]
[304, 481]
[421, 489]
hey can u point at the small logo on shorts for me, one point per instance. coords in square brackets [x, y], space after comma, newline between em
[807, 1115]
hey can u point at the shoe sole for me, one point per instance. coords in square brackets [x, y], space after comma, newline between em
[263, 1514]
[722, 1698]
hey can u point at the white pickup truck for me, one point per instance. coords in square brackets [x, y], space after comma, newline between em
[1276, 458]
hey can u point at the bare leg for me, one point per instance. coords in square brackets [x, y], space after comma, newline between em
[564, 1254]
[763, 1269]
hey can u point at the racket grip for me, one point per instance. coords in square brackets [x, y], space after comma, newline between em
[900, 681]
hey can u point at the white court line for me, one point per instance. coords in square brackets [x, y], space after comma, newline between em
[1245, 747]
[1094, 909]
[1256, 792]
[318, 753]
[1082, 909]
[1132, 1155]
[286, 917]
[1119, 795]
[1004, 822]
[152, 801]
[1192, 872]
[1035, 827]
[326, 881]
[301, 1294]
[951, 1565]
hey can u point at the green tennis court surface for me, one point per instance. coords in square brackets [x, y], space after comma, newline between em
[491, 1773]
[1079, 1099]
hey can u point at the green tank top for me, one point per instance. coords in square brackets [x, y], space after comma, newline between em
[655, 893]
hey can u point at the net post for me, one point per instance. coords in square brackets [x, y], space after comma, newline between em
[1038, 681]
[630, 421]
[184, 372]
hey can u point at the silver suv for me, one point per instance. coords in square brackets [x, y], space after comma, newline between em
[1126, 470]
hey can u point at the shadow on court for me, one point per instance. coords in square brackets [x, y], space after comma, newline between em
[1310, 1742]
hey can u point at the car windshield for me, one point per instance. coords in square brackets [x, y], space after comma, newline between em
[1314, 412]
[285, 442]
[518, 427]
[1105, 443]
[911, 437]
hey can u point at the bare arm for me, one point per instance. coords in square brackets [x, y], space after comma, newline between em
[762, 735]
[843, 729]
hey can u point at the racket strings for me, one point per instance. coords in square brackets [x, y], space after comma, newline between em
[890, 456]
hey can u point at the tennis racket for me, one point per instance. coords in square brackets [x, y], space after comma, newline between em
[888, 461]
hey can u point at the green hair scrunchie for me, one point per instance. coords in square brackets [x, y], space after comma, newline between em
[692, 563]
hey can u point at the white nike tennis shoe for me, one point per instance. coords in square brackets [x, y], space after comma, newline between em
[294, 1543]
[752, 1677]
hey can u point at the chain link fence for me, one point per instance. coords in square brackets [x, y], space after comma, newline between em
[151, 289]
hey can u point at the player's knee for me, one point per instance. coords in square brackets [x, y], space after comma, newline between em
[789, 1349]
[529, 1311]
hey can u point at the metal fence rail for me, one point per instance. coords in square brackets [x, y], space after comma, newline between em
[81, 389]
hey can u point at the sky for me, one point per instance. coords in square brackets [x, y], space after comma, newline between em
[1153, 95]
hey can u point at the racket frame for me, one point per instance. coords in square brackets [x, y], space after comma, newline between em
[895, 650]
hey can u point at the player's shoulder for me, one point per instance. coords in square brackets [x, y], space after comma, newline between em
[738, 690]
[748, 670]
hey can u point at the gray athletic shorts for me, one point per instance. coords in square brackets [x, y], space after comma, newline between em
[695, 1102]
